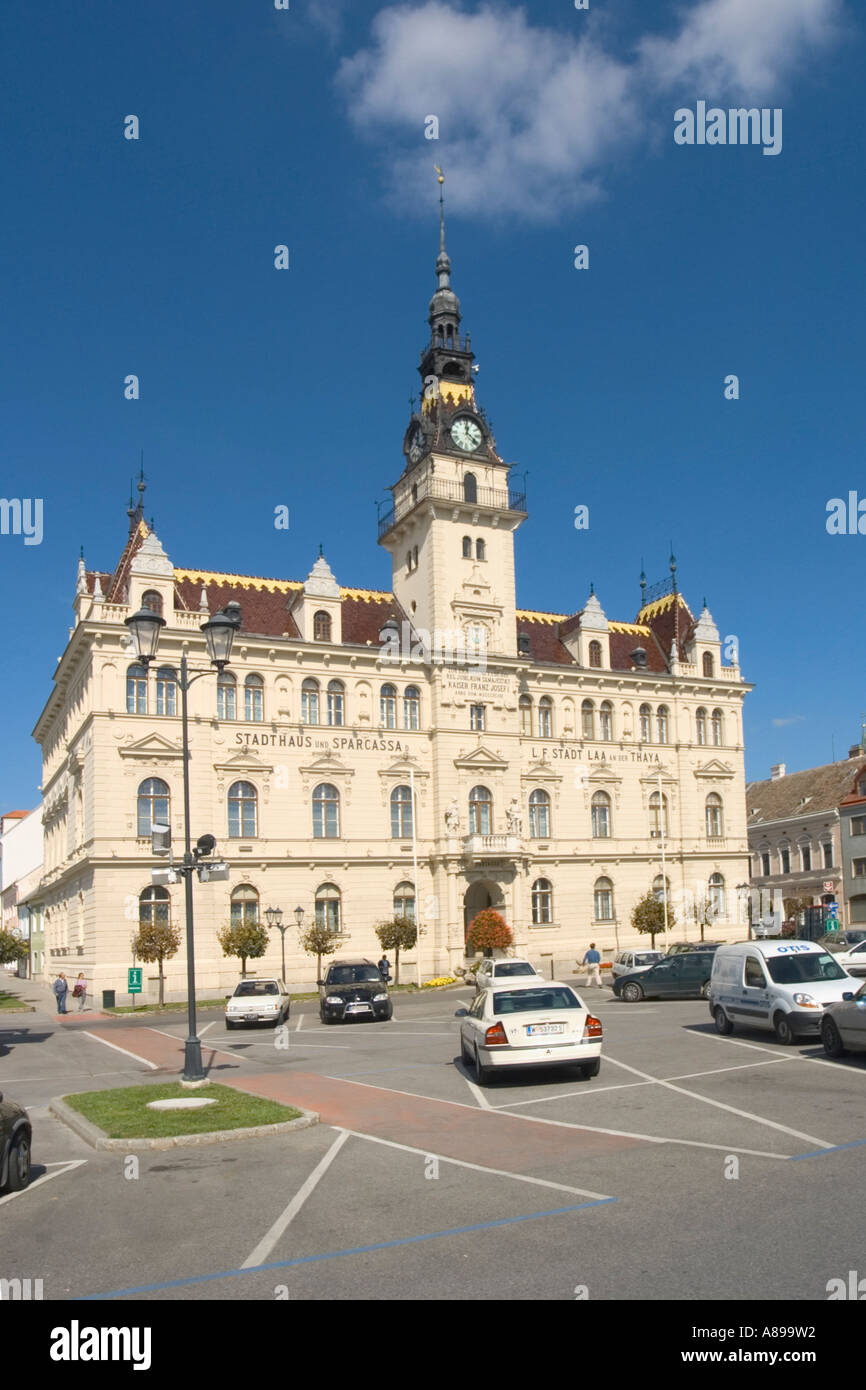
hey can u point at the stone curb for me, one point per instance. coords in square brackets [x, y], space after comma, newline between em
[97, 1139]
[24, 1009]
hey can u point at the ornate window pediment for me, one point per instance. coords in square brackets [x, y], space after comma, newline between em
[151, 746]
[714, 768]
[481, 758]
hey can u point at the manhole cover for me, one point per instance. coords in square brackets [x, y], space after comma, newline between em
[194, 1103]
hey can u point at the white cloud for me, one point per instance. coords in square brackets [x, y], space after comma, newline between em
[791, 719]
[531, 119]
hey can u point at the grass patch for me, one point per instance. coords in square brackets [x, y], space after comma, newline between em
[178, 1007]
[14, 1003]
[123, 1114]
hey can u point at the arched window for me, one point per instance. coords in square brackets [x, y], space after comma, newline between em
[603, 900]
[806, 857]
[152, 601]
[708, 664]
[404, 901]
[326, 812]
[388, 707]
[321, 626]
[646, 728]
[545, 717]
[254, 699]
[717, 895]
[718, 728]
[661, 888]
[310, 701]
[600, 816]
[401, 813]
[408, 562]
[329, 908]
[539, 815]
[414, 496]
[166, 690]
[411, 707]
[715, 822]
[662, 714]
[244, 906]
[154, 907]
[470, 488]
[587, 719]
[480, 811]
[243, 811]
[480, 550]
[701, 726]
[467, 547]
[153, 805]
[525, 704]
[227, 704]
[658, 809]
[136, 690]
[595, 653]
[605, 720]
[542, 902]
[336, 703]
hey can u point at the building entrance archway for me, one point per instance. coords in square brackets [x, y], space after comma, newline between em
[477, 897]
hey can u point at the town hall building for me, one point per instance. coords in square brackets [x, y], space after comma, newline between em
[427, 751]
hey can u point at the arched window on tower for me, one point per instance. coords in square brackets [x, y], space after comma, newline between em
[467, 547]
[595, 653]
[480, 550]
[470, 488]
[708, 664]
[321, 626]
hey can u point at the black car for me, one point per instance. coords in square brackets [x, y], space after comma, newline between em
[15, 1136]
[680, 976]
[353, 989]
[678, 947]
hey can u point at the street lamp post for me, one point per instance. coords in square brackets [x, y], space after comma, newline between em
[275, 919]
[299, 917]
[145, 627]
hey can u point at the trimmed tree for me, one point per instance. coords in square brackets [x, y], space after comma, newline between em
[247, 940]
[648, 916]
[12, 948]
[489, 932]
[397, 934]
[318, 940]
[703, 911]
[156, 941]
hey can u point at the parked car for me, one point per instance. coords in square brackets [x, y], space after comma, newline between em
[780, 985]
[842, 940]
[15, 1141]
[543, 1025]
[493, 972]
[852, 959]
[353, 989]
[634, 962]
[679, 947]
[258, 1001]
[843, 1025]
[687, 973]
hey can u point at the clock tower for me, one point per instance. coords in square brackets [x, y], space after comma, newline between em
[450, 529]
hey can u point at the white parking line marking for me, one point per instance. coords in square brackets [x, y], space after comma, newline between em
[300, 1023]
[46, 1177]
[202, 1031]
[268, 1241]
[481, 1168]
[126, 1053]
[477, 1093]
[630, 1085]
[784, 1057]
[720, 1105]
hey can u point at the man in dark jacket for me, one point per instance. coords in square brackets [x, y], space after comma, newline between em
[384, 967]
[61, 985]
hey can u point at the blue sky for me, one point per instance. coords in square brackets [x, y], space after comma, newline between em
[259, 388]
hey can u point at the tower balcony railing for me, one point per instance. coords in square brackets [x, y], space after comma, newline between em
[456, 342]
[500, 499]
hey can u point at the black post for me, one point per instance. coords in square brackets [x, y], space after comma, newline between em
[192, 1069]
[283, 931]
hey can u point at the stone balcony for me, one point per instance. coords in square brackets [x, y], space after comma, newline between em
[477, 847]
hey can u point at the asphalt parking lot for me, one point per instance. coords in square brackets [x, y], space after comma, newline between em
[692, 1167]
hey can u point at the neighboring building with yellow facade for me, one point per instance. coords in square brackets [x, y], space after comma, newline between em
[556, 758]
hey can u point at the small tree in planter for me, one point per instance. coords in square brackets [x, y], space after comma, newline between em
[156, 941]
[318, 940]
[489, 932]
[648, 916]
[397, 934]
[248, 940]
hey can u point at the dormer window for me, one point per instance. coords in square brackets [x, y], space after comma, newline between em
[321, 626]
[595, 654]
[708, 664]
[152, 601]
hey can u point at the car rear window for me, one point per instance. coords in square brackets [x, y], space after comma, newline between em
[254, 987]
[513, 967]
[805, 969]
[522, 1001]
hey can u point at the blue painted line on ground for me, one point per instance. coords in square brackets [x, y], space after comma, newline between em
[822, 1153]
[340, 1254]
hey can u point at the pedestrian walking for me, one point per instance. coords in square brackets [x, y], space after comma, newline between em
[384, 968]
[79, 990]
[61, 988]
[592, 961]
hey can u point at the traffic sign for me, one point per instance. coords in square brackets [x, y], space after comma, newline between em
[133, 976]
[829, 885]
[832, 909]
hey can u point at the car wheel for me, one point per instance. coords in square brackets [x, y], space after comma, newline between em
[589, 1069]
[723, 1023]
[230, 1025]
[831, 1038]
[631, 993]
[482, 1073]
[784, 1031]
[18, 1175]
[705, 990]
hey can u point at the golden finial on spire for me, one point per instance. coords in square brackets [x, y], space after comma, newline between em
[441, 178]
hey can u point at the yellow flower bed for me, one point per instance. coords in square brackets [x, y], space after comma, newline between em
[440, 980]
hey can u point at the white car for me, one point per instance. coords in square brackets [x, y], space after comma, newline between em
[540, 1024]
[258, 1001]
[853, 960]
[634, 962]
[503, 971]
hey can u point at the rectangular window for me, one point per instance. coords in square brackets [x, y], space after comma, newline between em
[335, 709]
[765, 864]
[806, 854]
[476, 718]
[858, 825]
[859, 867]
[828, 856]
[785, 860]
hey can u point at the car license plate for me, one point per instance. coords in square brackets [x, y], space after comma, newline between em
[359, 1008]
[538, 1030]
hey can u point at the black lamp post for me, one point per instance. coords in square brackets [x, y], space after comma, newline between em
[275, 919]
[145, 627]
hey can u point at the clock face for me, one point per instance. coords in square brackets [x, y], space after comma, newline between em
[466, 434]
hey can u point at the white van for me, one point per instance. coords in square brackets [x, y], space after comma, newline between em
[779, 985]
